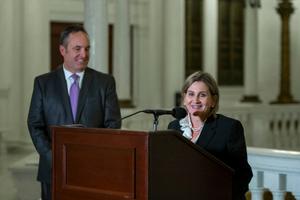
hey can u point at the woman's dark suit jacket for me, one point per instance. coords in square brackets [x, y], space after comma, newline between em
[224, 138]
[98, 107]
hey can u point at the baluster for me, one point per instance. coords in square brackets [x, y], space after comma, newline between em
[256, 185]
[276, 124]
[285, 130]
[277, 184]
[293, 184]
[3, 156]
[297, 129]
[293, 131]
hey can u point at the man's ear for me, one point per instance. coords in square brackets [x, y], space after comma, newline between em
[62, 50]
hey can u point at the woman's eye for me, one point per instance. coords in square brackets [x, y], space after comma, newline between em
[203, 95]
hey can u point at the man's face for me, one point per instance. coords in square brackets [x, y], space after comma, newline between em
[76, 52]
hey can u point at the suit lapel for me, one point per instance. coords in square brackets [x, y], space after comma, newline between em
[63, 90]
[87, 78]
[208, 132]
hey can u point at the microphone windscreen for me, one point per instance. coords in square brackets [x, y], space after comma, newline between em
[179, 112]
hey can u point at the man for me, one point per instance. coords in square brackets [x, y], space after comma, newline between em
[72, 94]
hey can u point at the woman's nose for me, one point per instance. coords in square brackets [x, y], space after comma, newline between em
[197, 98]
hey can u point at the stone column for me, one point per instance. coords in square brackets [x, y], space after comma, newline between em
[174, 50]
[285, 9]
[35, 50]
[210, 37]
[96, 24]
[152, 71]
[251, 52]
[122, 68]
[8, 54]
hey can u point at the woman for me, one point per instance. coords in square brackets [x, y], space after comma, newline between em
[222, 136]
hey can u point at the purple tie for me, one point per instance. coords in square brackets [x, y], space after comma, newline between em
[74, 93]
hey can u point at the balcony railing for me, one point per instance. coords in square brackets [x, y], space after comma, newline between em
[275, 170]
[267, 126]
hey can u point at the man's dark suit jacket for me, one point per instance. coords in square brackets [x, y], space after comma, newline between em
[98, 107]
[224, 138]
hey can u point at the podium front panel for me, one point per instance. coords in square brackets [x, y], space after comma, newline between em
[99, 164]
[182, 170]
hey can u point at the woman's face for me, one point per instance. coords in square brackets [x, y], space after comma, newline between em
[198, 99]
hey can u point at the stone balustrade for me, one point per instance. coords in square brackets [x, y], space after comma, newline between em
[24, 173]
[3, 121]
[275, 170]
[268, 126]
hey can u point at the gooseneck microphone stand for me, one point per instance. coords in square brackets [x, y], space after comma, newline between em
[155, 122]
[177, 112]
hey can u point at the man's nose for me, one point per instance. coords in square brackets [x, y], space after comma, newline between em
[84, 53]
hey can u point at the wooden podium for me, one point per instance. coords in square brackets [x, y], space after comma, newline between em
[109, 164]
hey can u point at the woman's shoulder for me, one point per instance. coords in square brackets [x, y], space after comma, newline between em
[226, 120]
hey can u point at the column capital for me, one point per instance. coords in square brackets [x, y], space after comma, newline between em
[254, 3]
[285, 8]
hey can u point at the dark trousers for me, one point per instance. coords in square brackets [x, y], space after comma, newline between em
[46, 191]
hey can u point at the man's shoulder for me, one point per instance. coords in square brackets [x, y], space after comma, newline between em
[99, 75]
[49, 77]
[49, 74]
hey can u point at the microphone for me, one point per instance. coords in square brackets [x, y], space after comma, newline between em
[177, 112]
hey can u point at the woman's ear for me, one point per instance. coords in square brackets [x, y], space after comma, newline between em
[213, 105]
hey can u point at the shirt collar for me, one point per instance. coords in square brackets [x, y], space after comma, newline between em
[68, 74]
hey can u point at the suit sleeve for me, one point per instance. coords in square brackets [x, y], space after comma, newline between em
[238, 159]
[112, 109]
[174, 125]
[36, 123]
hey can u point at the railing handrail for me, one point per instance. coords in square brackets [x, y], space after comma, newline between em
[258, 151]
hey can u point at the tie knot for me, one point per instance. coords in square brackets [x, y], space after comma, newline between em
[74, 77]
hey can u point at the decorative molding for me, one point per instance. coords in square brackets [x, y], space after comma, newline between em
[251, 99]
[66, 10]
[254, 3]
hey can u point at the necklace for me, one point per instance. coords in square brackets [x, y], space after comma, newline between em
[198, 129]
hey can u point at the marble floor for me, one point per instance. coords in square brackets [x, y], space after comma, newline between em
[8, 157]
